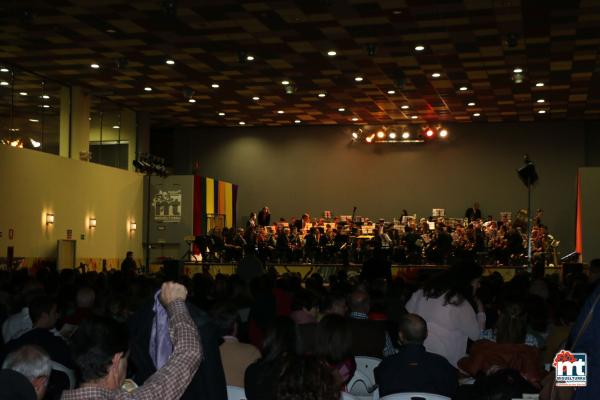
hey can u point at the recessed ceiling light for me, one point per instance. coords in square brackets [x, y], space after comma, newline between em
[414, 117]
[111, 31]
[541, 101]
[280, 112]
[192, 100]
[471, 104]
[405, 107]
[250, 58]
[116, 127]
[331, 53]
[3, 69]
[4, 83]
[539, 84]
[463, 88]
[419, 47]
[436, 75]
[215, 86]
[358, 78]
[256, 98]
[242, 123]
[33, 120]
[297, 121]
[542, 112]
[405, 135]
[148, 89]
[476, 114]
[391, 92]
[45, 96]
[321, 95]
[46, 106]
[285, 82]
[222, 114]
[392, 135]
[518, 70]
[95, 66]
[170, 62]
[23, 93]
[354, 119]
[341, 109]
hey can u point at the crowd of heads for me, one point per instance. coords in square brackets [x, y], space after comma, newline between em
[524, 304]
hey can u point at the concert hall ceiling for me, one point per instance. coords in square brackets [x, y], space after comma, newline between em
[467, 69]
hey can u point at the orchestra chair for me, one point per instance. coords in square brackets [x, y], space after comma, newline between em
[235, 393]
[415, 396]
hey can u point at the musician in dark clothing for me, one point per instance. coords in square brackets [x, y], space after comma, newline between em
[129, 266]
[264, 217]
[473, 213]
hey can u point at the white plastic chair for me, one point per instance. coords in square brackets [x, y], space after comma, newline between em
[348, 396]
[235, 393]
[414, 396]
[367, 366]
[360, 384]
[67, 371]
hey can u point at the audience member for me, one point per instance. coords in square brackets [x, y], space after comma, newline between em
[33, 363]
[235, 356]
[413, 369]
[304, 307]
[334, 346]
[306, 378]
[369, 338]
[151, 347]
[507, 349]
[261, 376]
[100, 350]
[444, 304]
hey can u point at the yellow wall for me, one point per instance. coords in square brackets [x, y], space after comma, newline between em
[33, 183]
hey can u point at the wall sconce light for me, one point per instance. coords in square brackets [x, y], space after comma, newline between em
[49, 219]
[92, 222]
[132, 226]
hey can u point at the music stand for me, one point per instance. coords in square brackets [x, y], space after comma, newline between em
[529, 177]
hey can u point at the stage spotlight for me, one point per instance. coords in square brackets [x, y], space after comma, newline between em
[392, 135]
[380, 134]
[443, 133]
[429, 133]
[405, 135]
[354, 135]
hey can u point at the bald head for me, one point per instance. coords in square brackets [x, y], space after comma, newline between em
[412, 329]
[359, 301]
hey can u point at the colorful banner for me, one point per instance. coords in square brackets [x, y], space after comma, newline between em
[215, 204]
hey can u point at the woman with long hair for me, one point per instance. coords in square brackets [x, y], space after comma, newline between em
[453, 314]
[261, 377]
[334, 345]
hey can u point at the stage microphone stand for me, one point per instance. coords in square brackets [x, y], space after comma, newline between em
[529, 177]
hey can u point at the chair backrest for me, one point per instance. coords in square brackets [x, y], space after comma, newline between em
[360, 384]
[367, 366]
[67, 371]
[235, 393]
[415, 396]
[348, 396]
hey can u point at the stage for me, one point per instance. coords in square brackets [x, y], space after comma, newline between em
[407, 272]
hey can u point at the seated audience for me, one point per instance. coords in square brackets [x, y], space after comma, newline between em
[444, 303]
[261, 377]
[334, 346]
[85, 303]
[413, 369]
[44, 314]
[32, 363]
[369, 338]
[19, 323]
[511, 320]
[235, 356]
[508, 350]
[333, 303]
[100, 350]
[304, 378]
[304, 307]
